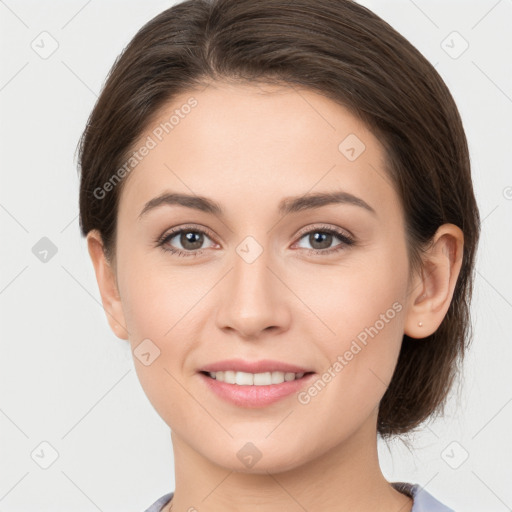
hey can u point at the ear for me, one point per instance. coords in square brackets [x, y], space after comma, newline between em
[430, 295]
[107, 283]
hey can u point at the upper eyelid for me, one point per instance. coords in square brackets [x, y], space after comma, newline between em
[325, 227]
[180, 229]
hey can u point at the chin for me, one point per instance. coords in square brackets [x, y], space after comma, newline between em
[250, 460]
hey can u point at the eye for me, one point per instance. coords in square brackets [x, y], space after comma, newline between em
[322, 237]
[191, 240]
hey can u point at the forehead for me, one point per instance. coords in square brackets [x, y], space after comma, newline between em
[248, 144]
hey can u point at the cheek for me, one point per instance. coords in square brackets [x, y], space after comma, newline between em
[359, 310]
[158, 307]
[157, 299]
[347, 301]
[360, 358]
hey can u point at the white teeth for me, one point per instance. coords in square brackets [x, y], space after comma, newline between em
[254, 379]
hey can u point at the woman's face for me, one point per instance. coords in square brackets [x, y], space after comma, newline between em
[258, 280]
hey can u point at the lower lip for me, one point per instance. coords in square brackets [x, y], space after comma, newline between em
[255, 396]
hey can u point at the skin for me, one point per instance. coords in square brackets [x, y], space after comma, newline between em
[248, 147]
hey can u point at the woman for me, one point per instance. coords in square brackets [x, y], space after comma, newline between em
[278, 205]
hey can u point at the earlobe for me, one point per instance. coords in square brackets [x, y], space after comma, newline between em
[430, 296]
[106, 279]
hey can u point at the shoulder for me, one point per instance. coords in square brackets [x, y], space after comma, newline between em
[160, 503]
[423, 501]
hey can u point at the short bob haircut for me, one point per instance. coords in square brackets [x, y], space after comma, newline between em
[345, 52]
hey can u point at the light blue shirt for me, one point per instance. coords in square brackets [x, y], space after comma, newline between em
[422, 500]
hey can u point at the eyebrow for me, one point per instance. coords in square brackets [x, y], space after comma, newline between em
[287, 205]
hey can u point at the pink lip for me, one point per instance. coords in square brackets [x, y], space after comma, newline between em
[262, 366]
[255, 396]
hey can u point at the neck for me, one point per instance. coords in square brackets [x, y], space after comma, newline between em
[345, 478]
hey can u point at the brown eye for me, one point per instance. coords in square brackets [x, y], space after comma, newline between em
[321, 240]
[191, 240]
[184, 242]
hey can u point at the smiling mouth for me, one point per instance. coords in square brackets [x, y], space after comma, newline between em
[255, 379]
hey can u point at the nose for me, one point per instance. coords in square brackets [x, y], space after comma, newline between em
[253, 298]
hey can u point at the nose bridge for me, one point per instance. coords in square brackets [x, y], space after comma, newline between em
[252, 298]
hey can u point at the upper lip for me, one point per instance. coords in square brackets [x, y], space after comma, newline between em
[262, 366]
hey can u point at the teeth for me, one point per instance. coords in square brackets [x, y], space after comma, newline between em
[254, 379]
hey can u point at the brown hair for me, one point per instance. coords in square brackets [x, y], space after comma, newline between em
[347, 53]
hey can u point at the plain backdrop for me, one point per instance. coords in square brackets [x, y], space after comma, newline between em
[76, 429]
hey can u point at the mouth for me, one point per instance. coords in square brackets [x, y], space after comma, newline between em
[255, 379]
[247, 390]
[256, 383]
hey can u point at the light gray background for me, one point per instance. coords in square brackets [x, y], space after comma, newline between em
[68, 381]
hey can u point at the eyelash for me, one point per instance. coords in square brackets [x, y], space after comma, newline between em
[345, 239]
